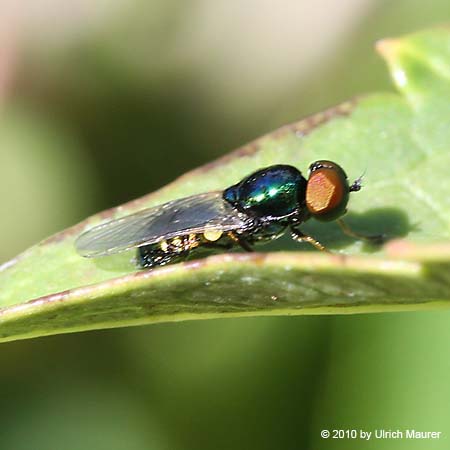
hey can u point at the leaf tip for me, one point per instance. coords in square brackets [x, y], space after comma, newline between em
[387, 47]
[390, 49]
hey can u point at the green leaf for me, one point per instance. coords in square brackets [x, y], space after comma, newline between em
[400, 141]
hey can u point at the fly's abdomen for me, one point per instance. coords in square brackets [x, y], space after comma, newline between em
[167, 251]
[180, 247]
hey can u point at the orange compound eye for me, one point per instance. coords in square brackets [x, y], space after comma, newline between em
[327, 191]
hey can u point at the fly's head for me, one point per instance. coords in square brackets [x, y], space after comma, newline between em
[327, 190]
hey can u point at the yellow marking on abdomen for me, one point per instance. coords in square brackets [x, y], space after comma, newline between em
[192, 241]
[164, 246]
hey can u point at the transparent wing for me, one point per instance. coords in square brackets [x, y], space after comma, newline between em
[184, 216]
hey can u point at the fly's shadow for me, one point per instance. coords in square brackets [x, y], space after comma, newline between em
[391, 223]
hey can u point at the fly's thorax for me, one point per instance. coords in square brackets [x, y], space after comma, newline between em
[274, 192]
[267, 231]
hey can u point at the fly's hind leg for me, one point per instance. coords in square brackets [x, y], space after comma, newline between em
[376, 239]
[241, 242]
[298, 236]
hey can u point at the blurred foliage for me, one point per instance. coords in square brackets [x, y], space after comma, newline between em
[244, 383]
[46, 180]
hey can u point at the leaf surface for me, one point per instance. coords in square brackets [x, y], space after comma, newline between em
[400, 141]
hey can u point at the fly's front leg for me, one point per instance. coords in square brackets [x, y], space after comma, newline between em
[298, 236]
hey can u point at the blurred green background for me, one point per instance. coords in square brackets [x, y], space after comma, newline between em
[101, 102]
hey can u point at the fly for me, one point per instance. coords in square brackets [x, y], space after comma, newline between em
[259, 208]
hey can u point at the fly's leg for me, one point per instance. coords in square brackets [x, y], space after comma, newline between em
[298, 236]
[246, 246]
[241, 242]
[376, 239]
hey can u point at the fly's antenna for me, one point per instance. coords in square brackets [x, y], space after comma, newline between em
[357, 184]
